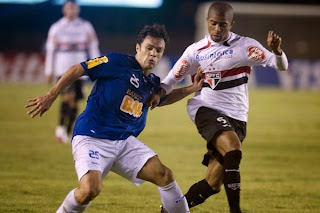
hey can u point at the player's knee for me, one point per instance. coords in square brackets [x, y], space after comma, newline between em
[232, 159]
[88, 193]
[165, 176]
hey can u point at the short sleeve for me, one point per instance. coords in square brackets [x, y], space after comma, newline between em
[256, 54]
[108, 66]
[185, 65]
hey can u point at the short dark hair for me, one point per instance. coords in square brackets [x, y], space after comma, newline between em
[156, 31]
[222, 9]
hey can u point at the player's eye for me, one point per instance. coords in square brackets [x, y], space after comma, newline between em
[223, 25]
[213, 23]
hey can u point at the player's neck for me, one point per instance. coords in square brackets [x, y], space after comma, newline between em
[70, 18]
[147, 71]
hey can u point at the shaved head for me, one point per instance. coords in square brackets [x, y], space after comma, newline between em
[221, 9]
[219, 20]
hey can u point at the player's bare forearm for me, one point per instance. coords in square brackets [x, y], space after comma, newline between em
[178, 94]
[70, 76]
[42, 103]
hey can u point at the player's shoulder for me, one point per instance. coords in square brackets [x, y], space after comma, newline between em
[117, 56]
[121, 59]
[83, 21]
[247, 39]
[57, 23]
[56, 26]
[198, 45]
[203, 43]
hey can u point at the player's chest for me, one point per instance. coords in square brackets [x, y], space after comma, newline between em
[220, 58]
[137, 86]
[136, 91]
[71, 33]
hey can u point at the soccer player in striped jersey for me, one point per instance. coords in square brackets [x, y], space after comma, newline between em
[71, 40]
[104, 136]
[219, 109]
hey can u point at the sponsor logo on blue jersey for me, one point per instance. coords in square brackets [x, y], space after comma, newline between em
[219, 55]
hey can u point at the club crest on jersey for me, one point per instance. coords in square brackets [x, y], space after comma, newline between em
[181, 68]
[212, 79]
[96, 61]
[256, 53]
[134, 81]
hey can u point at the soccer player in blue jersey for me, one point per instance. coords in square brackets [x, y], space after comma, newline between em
[104, 137]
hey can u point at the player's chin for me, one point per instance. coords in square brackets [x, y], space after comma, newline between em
[216, 38]
[151, 65]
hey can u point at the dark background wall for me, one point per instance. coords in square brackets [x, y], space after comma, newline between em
[25, 27]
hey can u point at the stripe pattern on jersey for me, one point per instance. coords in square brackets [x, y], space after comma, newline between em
[230, 78]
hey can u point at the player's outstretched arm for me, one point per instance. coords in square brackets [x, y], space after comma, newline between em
[42, 103]
[180, 93]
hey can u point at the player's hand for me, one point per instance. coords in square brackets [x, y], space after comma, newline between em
[274, 42]
[40, 105]
[154, 100]
[198, 80]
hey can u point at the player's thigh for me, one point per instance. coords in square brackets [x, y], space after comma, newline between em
[227, 141]
[133, 156]
[93, 154]
[210, 124]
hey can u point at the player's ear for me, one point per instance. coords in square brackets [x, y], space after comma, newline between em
[232, 23]
[137, 47]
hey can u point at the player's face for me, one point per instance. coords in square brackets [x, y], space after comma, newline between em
[71, 10]
[218, 26]
[150, 52]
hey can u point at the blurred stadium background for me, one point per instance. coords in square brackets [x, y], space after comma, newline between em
[280, 171]
[25, 28]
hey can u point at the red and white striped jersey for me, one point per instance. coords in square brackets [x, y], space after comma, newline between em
[226, 66]
[69, 42]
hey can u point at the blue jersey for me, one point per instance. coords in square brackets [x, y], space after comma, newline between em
[116, 106]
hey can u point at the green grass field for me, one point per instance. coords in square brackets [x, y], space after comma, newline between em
[280, 167]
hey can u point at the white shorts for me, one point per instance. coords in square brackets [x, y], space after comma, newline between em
[123, 157]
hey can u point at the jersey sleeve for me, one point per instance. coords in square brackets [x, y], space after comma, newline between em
[256, 54]
[104, 67]
[185, 65]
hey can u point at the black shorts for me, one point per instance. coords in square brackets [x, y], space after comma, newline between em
[211, 123]
[75, 87]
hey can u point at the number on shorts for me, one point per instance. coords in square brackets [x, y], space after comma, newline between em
[94, 154]
[222, 120]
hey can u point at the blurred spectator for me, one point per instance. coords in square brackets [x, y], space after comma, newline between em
[71, 40]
